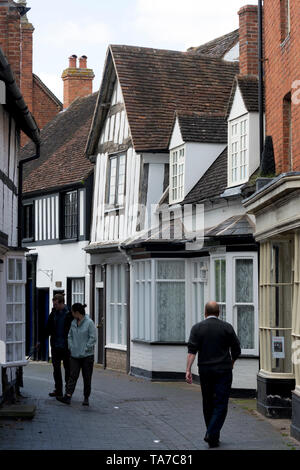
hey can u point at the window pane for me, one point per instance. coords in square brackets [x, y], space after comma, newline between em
[170, 270]
[18, 332]
[244, 280]
[9, 352]
[19, 293]
[11, 270]
[10, 313]
[9, 333]
[19, 273]
[171, 311]
[223, 281]
[18, 312]
[120, 324]
[245, 326]
[19, 352]
[10, 293]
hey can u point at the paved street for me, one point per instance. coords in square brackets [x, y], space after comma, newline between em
[128, 413]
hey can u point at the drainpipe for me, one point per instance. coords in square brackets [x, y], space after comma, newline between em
[261, 78]
[20, 191]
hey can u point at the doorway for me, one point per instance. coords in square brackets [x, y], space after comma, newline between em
[42, 318]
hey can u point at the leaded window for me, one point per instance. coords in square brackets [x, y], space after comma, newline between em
[70, 227]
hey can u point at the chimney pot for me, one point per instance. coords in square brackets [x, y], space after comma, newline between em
[73, 61]
[83, 62]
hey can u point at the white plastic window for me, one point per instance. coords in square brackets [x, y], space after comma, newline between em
[177, 158]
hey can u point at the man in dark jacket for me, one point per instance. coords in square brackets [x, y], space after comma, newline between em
[57, 328]
[218, 348]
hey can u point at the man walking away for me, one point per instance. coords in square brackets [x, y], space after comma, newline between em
[213, 340]
[57, 328]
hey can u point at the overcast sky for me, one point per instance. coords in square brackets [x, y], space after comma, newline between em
[86, 27]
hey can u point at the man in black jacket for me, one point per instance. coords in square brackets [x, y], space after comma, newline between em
[213, 340]
[57, 328]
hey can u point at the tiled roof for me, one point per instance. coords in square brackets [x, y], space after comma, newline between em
[218, 47]
[236, 225]
[213, 182]
[155, 83]
[248, 84]
[206, 128]
[62, 160]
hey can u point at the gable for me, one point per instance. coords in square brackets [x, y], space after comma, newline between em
[176, 139]
[233, 54]
[115, 129]
[238, 106]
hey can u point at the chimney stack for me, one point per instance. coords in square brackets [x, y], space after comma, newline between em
[78, 82]
[26, 58]
[10, 35]
[248, 32]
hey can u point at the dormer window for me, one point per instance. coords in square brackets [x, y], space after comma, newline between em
[238, 168]
[177, 161]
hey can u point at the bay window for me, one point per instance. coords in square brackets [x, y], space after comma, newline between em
[238, 165]
[15, 308]
[244, 308]
[276, 293]
[177, 159]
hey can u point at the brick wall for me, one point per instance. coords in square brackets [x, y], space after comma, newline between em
[116, 360]
[10, 37]
[282, 69]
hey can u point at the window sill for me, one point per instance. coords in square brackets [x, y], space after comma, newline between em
[14, 364]
[159, 343]
[119, 347]
[114, 209]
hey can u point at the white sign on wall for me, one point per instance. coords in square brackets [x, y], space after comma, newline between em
[278, 347]
[2, 92]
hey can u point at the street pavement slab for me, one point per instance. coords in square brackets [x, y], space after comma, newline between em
[128, 413]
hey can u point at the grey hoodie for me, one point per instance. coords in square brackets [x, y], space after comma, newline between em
[82, 338]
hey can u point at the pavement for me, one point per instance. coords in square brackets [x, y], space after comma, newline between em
[127, 413]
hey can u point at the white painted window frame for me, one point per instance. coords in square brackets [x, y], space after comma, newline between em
[232, 258]
[240, 163]
[109, 304]
[116, 203]
[180, 154]
[15, 282]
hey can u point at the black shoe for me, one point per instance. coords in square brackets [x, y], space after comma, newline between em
[65, 399]
[211, 442]
[55, 394]
[85, 402]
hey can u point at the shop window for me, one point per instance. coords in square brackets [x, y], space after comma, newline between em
[116, 305]
[244, 308]
[276, 306]
[199, 279]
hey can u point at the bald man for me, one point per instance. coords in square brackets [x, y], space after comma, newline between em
[218, 348]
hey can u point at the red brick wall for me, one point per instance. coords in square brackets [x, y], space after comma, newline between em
[248, 33]
[77, 87]
[44, 107]
[26, 64]
[10, 38]
[282, 69]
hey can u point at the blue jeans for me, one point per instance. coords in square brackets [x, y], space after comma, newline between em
[215, 386]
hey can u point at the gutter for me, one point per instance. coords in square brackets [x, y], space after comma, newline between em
[261, 79]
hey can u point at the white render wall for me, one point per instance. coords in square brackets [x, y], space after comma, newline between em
[198, 158]
[173, 359]
[58, 262]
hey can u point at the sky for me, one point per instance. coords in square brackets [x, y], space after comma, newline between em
[87, 27]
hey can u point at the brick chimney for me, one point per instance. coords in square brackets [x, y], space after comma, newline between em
[248, 31]
[78, 81]
[26, 59]
[10, 35]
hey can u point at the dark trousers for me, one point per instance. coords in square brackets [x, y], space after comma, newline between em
[215, 386]
[86, 364]
[58, 355]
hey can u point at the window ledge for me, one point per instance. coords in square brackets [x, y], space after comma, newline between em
[159, 343]
[118, 347]
[14, 364]
[114, 209]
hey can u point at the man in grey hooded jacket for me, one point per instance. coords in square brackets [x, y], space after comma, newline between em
[81, 342]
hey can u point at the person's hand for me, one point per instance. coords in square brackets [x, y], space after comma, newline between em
[189, 377]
